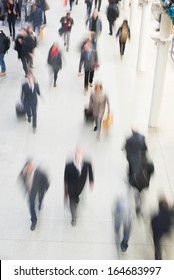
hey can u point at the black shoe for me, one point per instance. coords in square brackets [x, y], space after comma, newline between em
[95, 128]
[73, 222]
[29, 119]
[55, 85]
[110, 34]
[33, 226]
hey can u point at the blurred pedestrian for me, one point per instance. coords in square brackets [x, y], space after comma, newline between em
[75, 177]
[30, 90]
[55, 60]
[97, 105]
[123, 33]
[95, 27]
[161, 224]
[28, 42]
[140, 179]
[36, 184]
[89, 4]
[11, 17]
[18, 8]
[3, 49]
[36, 18]
[89, 59]
[67, 23]
[2, 10]
[134, 145]
[122, 218]
[112, 14]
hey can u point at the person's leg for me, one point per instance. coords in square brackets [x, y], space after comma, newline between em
[28, 112]
[117, 232]
[73, 209]
[99, 126]
[96, 3]
[32, 213]
[110, 27]
[123, 47]
[2, 63]
[157, 245]
[99, 5]
[120, 43]
[86, 80]
[68, 40]
[70, 4]
[64, 36]
[10, 26]
[55, 77]
[91, 76]
[40, 198]
[13, 27]
[126, 234]
[137, 197]
[34, 114]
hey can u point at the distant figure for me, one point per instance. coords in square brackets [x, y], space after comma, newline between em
[99, 4]
[55, 60]
[67, 23]
[122, 218]
[11, 17]
[97, 105]
[95, 28]
[161, 224]
[88, 59]
[30, 90]
[123, 33]
[2, 10]
[36, 184]
[112, 14]
[89, 4]
[75, 177]
[36, 18]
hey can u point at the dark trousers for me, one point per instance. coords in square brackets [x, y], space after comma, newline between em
[111, 24]
[27, 63]
[73, 207]
[55, 75]
[99, 4]
[122, 47]
[157, 245]
[70, 3]
[89, 75]
[31, 111]
[89, 8]
[126, 234]
[32, 201]
[11, 24]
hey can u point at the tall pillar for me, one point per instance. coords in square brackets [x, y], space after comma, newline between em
[144, 35]
[125, 4]
[133, 16]
[160, 70]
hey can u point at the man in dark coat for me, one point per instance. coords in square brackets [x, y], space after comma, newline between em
[36, 184]
[75, 177]
[112, 15]
[2, 53]
[36, 18]
[30, 90]
[133, 147]
[160, 224]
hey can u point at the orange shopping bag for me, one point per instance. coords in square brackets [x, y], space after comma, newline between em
[108, 122]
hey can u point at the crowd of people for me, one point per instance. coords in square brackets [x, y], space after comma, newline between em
[78, 170]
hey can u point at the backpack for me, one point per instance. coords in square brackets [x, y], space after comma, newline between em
[7, 44]
[124, 34]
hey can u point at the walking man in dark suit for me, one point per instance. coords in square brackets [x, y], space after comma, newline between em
[30, 90]
[36, 184]
[75, 177]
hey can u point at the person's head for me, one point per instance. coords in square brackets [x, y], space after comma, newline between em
[68, 15]
[98, 88]
[135, 129]
[95, 14]
[88, 45]
[11, 1]
[79, 154]
[125, 22]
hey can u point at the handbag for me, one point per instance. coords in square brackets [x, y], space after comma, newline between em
[108, 121]
[88, 115]
[61, 31]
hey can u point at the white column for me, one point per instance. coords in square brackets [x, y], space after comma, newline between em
[144, 35]
[160, 70]
[125, 4]
[133, 16]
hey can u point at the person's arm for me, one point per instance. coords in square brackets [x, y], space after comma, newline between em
[108, 104]
[22, 94]
[129, 34]
[37, 88]
[66, 183]
[118, 32]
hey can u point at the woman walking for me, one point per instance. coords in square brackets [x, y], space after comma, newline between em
[11, 17]
[123, 33]
[55, 60]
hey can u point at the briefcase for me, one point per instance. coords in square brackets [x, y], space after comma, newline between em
[20, 113]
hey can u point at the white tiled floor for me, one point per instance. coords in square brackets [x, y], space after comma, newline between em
[61, 127]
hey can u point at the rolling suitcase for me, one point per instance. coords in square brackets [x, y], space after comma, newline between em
[20, 113]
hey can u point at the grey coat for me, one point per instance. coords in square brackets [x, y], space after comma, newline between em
[90, 62]
[97, 104]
